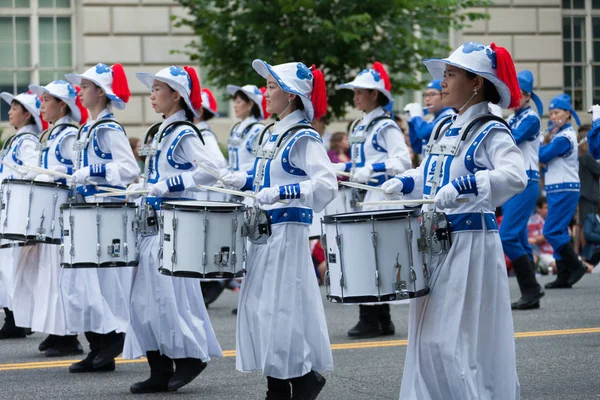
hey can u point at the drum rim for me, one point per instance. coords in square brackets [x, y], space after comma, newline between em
[364, 216]
[186, 205]
[216, 276]
[110, 204]
[373, 299]
[108, 264]
[35, 183]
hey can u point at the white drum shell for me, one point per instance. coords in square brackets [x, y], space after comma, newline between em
[340, 204]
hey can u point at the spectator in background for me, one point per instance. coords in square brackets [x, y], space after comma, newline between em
[589, 173]
[542, 251]
[591, 230]
[136, 145]
[339, 150]
[320, 125]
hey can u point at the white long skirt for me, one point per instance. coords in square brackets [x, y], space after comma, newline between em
[97, 299]
[7, 272]
[461, 338]
[37, 300]
[167, 313]
[281, 327]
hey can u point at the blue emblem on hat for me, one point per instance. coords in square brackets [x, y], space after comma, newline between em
[38, 103]
[492, 56]
[302, 72]
[376, 76]
[470, 47]
[102, 69]
[176, 71]
[256, 91]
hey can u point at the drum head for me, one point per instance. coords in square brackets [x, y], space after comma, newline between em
[98, 205]
[34, 183]
[363, 216]
[192, 205]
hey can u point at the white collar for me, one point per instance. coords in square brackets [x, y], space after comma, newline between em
[203, 125]
[64, 120]
[368, 117]
[246, 122]
[289, 121]
[29, 129]
[102, 114]
[474, 110]
[178, 116]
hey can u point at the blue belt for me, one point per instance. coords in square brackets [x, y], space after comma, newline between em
[156, 202]
[290, 214]
[472, 222]
[566, 186]
[533, 175]
[90, 190]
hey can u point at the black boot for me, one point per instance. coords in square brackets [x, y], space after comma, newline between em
[161, 371]
[186, 370]
[307, 387]
[10, 330]
[575, 267]
[278, 389]
[65, 346]
[531, 291]
[87, 364]
[49, 342]
[385, 319]
[368, 325]
[562, 277]
[111, 345]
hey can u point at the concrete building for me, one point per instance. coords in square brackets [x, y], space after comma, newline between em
[40, 40]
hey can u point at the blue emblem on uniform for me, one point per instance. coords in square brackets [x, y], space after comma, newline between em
[102, 69]
[492, 56]
[303, 72]
[470, 47]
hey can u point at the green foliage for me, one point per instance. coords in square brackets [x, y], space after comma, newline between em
[340, 36]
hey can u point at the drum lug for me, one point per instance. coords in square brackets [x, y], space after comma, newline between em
[377, 283]
[40, 234]
[98, 246]
[125, 246]
[52, 224]
[5, 207]
[400, 286]
[71, 224]
[174, 253]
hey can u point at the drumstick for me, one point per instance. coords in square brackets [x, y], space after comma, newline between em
[107, 189]
[361, 186]
[210, 171]
[121, 193]
[348, 175]
[405, 202]
[228, 191]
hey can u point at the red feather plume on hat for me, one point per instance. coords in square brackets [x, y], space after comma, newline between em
[212, 102]
[195, 93]
[505, 71]
[263, 89]
[377, 66]
[82, 109]
[319, 93]
[120, 86]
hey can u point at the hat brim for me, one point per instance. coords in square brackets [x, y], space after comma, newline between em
[264, 70]
[352, 86]
[9, 98]
[233, 89]
[116, 102]
[437, 67]
[148, 80]
[40, 90]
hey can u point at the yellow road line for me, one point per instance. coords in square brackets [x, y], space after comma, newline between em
[338, 346]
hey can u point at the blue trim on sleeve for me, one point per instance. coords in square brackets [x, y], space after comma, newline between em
[408, 184]
[175, 184]
[466, 185]
[289, 192]
[98, 170]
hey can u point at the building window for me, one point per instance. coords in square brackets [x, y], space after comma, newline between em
[35, 44]
[581, 51]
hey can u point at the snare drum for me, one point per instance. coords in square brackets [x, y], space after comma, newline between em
[98, 235]
[340, 204]
[30, 210]
[374, 256]
[203, 239]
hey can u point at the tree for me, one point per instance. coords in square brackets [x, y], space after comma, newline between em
[340, 36]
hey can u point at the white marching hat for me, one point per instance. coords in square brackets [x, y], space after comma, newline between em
[103, 76]
[30, 101]
[375, 78]
[63, 90]
[253, 94]
[209, 103]
[178, 79]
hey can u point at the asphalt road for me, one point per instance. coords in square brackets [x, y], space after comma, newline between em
[558, 355]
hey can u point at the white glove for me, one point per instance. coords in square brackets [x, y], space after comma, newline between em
[235, 180]
[44, 178]
[414, 110]
[339, 167]
[159, 189]
[30, 176]
[81, 175]
[362, 175]
[595, 112]
[59, 168]
[135, 187]
[446, 197]
[268, 196]
[392, 187]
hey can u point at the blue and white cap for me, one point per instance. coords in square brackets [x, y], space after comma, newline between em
[477, 58]
[177, 78]
[30, 101]
[253, 93]
[368, 78]
[435, 84]
[102, 76]
[63, 90]
[563, 102]
[526, 84]
[295, 78]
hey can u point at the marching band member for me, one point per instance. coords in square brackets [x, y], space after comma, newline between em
[96, 299]
[526, 126]
[379, 151]
[562, 186]
[419, 130]
[281, 327]
[461, 336]
[21, 148]
[248, 106]
[38, 272]
[169, 323]
[593, 136]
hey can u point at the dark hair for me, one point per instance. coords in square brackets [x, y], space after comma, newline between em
[336, 139]
[24, 110]
[583, 130]
[541, 201]
[490, 93]
[207, 115]
[298, 103]
[255, 112]
[382, 100]
[189, 115]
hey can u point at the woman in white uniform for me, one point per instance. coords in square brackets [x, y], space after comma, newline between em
[461, 336]
[38, 273]
[21, 148]
[169, 323]
[281, 327]
[248, 107]
[379, 152]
